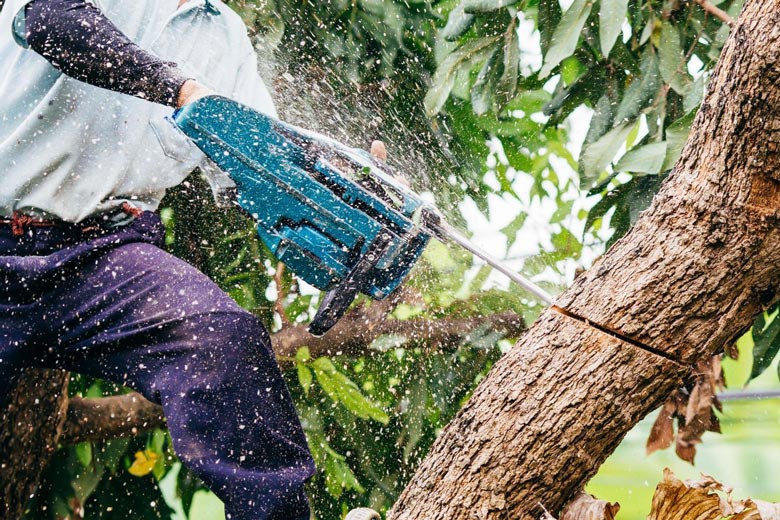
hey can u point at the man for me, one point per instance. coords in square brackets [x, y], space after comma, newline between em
[84, 284]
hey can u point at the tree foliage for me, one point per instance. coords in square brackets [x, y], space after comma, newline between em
[482, 100]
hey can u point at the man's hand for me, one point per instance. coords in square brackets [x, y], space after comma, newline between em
[379, 151]
[190, 91]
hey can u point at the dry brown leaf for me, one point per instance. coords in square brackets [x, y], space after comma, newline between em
[705, 499]
[732, 351]
[662, 432]
[694, 410]
[677, 500]
[674, 499]
[685, 450]
[700, 412]
[758, 510]
[588, 507]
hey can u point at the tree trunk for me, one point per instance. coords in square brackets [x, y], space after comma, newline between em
[687, 280]
[32, 424]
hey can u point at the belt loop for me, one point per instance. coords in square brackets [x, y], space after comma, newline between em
[18, 223]
[131, 210]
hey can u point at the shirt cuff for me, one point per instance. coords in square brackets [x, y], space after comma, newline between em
[19, 27]
[167, 86]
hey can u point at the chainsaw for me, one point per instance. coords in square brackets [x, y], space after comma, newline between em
[335, 215]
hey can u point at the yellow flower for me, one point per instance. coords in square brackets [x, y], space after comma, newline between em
[144, 463]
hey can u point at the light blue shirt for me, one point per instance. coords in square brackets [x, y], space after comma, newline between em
[70, 150]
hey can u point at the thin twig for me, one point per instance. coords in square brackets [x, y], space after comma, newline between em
[717, 12]
[280, 295]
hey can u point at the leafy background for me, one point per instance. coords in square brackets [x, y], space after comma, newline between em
[552, 122]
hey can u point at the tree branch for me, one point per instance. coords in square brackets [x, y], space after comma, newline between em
[129, 414]
[110, 417]
[354, 334]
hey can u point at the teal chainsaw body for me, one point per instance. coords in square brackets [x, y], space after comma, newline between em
[333, 214]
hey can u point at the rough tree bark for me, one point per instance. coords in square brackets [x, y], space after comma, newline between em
[31, 424]
[687, 280]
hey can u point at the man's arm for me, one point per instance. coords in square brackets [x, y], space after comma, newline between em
[79, 40]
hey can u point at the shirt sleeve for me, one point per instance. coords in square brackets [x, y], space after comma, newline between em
[76, 38]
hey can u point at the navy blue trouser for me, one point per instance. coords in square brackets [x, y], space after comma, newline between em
[115, 306]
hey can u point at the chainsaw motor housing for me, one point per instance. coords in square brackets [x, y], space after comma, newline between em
[336, 216]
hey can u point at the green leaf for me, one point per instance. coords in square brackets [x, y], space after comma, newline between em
[547, 20]
[414, 418]
[404, 311]
[303, 355]
[157, 441]
[628, 199]
[484, 6]
[186, 487]
[676, 136]
[671, 59]
[598, 211]
[112, 452]
[596, 156]
[563, 212]
[342, 389]
[458, 22]
[778, 370]
[766, 344]
[510, 127]
[571, 68]
[601, 120]
[567, 34]
[566, 99]
[643, 190]
[565, 241]
[647, 32]
[84, 453]
[648, 158]
[484, 86]
[695, 94]
[529, 101]
[611, 16]
[623, 58]
[507, 82]
[439, 257]
[304, 377]
[477, 282]
[642, 90]
[759, 323]
[448, 69]
[338, 475]
[511, 229]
